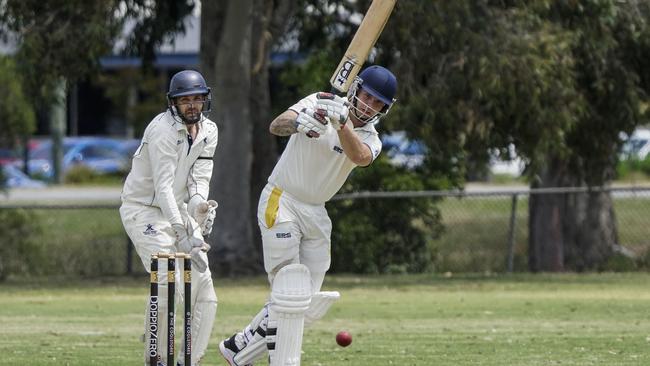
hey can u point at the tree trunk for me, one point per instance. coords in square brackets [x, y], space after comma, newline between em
[232, 237]
[592, 230]
[212, 15]
[269, 21]
[264, 150]
[247, 151]
[569, 231]
[546, 214]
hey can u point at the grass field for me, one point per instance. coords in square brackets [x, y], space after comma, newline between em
[565, 319]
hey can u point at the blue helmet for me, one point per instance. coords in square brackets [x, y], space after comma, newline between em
[377, 81]
[184, 83]
[380, 83]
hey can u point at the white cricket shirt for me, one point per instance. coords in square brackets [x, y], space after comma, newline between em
[313, 169]
[166, 170]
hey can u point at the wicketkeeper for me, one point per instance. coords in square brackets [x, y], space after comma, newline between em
[330, 136]
[165, 205]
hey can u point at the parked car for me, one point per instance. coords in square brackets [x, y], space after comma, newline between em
[14, 178]
[403, 152]
[511, 164]
[129, 147]
[101, 155]
[636, 146]
[8, 156]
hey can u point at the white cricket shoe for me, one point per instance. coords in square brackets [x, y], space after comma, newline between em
[229, 350]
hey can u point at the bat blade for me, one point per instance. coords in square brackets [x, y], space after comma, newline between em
[364, 39]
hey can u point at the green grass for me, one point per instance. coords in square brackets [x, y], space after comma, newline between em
[83, 241]
[476, 234]
[477, 228]
[564, 319]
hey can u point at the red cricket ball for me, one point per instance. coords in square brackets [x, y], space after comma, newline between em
[344, 338]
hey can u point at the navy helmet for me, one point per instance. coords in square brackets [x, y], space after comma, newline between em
[184, 83]
[377, 81]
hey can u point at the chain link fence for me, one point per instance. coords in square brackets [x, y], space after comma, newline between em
[482, 231]
[487, 231]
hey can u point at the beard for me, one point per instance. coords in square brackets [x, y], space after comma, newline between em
[191, 117]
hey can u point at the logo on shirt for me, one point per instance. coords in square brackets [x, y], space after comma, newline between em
[283, 235]
[337, 149]
[150, 230]
[179, 142]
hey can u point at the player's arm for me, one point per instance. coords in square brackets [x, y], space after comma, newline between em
[308, 121]
[162, 151]
[284, 124]
[353, 147]
[198, 181]
[198, 184]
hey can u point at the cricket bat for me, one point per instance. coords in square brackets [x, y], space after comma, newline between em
[364, 39]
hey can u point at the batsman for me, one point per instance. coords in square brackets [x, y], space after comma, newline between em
[330, 136]
[165, 207]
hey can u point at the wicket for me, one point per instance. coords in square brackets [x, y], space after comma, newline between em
[171, 317]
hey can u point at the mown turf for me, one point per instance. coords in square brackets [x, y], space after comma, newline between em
[566, 319]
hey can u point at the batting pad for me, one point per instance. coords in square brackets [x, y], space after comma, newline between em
[290, 299]
[255, 337]
[320, 303]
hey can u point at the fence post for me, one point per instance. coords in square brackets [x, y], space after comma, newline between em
[511, 233]
[129, 256]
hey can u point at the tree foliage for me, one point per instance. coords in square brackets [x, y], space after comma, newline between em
[64, 39]
[558, 80]
[399, 240]
[16, 114]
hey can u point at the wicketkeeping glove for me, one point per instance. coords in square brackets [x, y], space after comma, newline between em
[204, 212]
[311, 122]
[336, 108]
[187, 243]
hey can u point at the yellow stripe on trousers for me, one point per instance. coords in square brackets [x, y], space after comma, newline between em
[272, 207]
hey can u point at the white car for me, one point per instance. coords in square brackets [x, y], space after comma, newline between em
[403, 152]
[636, 146]
[15, 178]
[511, 165]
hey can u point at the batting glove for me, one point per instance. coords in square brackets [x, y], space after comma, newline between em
[336, 108]
[311, 122]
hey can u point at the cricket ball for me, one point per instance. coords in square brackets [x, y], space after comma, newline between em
[343, 338]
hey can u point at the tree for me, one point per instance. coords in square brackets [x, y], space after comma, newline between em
[558, 80]
[17, 117]
[246, 153]
[610, 41]
[64, 40]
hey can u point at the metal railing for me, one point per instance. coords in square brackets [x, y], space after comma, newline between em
[483, 230]
[509, 207]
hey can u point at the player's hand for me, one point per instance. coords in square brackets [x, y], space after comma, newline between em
[185, 241]
[199, 257]
[336, 108]
[204, 212]
[311, 122]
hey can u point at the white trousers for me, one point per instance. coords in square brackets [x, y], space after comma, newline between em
[151, 233]
[294, 232]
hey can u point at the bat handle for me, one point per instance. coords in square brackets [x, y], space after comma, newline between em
[335, 91]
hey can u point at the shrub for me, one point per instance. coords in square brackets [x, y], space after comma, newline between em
[20, 249]
[81, 174]
[383, 235]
